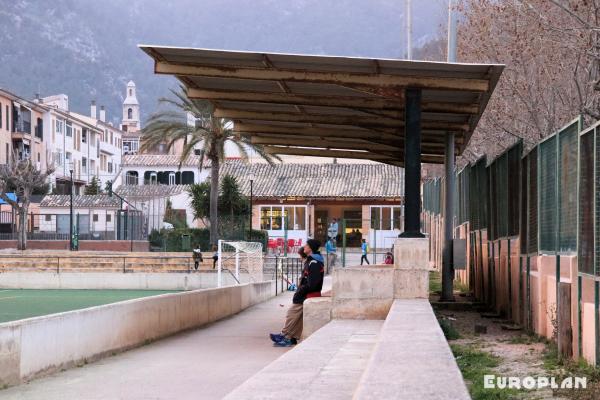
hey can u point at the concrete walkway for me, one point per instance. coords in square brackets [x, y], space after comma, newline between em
[327, 365]
[207, 363]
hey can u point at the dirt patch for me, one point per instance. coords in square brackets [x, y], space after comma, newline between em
[517, 354]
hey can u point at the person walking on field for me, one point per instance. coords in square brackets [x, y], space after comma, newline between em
[310, 286]
[364, 248]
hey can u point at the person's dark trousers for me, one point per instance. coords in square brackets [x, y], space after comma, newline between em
[196, 264]
[364, 258]
[214, 262]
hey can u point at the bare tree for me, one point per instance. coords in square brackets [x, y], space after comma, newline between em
[551, 60]
[22, 178]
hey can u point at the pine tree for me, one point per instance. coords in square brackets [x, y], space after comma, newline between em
[93, 187]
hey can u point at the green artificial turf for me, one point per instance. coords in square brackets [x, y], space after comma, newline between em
[18, 304]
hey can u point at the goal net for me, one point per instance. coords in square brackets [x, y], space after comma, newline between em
[242, 261]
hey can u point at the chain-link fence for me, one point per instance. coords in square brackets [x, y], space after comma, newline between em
[92, 224]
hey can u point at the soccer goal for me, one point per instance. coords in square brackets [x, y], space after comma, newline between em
[238, 256]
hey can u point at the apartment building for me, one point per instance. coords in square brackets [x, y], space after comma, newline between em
[110, 145]
[21, 130]
[84, 145]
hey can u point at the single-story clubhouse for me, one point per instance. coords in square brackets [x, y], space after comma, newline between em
[367, 199]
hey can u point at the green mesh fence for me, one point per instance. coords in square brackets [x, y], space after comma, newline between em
[474, 202]
[532, 199]
[493, 195]
[462, 196]
[585, 257]
[502, 195]
[484, 193]
[596, 207]
[547, 195]
[567, 198]
[513, 188]
[523, 231]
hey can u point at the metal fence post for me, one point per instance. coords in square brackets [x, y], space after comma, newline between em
[344, 243]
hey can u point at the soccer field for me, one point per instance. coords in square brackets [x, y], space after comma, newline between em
[25, 303]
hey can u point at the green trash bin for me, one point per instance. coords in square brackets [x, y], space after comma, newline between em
[186, 243]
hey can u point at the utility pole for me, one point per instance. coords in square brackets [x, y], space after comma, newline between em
[409, 29]
[447, 253]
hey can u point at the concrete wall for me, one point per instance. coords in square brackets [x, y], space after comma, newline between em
[116, 280]
[36, 346]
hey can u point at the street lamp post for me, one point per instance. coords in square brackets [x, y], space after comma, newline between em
[71, 244]
[251, 177]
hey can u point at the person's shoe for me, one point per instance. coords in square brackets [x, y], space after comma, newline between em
[285, 342]
[294, 341]
[276, 337]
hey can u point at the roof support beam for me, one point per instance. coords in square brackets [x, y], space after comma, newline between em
[428, 137]
[326, 143]
[361, 121]
[338, 143]
[358, 155]
[296, 99]
[336, 78]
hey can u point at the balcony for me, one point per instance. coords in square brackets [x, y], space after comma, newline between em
[22, 127]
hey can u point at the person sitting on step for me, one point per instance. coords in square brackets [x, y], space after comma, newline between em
[310, 286]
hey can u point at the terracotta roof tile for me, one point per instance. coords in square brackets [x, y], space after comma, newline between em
[159, 160]
[319, 180]
[81, 201]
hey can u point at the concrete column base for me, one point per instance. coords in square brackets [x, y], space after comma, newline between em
[411, 253]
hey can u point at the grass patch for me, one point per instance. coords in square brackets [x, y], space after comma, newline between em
[435, 282]
[449, 330]
[474, 364]
[461, 287]
[554, 362]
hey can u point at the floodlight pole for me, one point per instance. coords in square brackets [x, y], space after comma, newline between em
[409, 29]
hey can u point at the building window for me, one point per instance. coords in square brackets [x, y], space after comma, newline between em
[108, 217]
[59, 126]
[7, 119]
[69, 130]
[386, 218]
[274, 217]
[95, 218]
[111, 138]
[7, 154]
[110, 167]
[129, 113]
[68, 156]
[131, 178]
[48, 217]
[172, 178]
[187, 178]
[39, 157]
[84, 136]
[39, 129]
[84, 164]
[0, 115]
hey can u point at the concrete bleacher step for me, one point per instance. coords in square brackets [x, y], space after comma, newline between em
[327, 365]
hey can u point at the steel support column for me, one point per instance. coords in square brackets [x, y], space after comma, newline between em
[412, 165]
[447, 262]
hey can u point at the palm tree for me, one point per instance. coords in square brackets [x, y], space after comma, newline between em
[209, 135]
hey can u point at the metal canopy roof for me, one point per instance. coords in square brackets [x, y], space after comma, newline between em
[333, 106]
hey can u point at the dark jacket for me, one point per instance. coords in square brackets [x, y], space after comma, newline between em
[312, 279]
